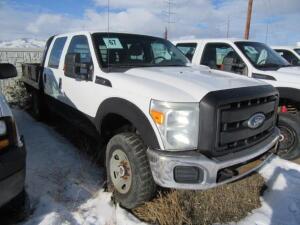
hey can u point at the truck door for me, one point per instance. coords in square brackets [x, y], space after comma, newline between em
[78, 84]
[221, 56]
[53, 70]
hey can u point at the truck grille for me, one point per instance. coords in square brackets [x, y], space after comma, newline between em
[234, 133]
[224, 115]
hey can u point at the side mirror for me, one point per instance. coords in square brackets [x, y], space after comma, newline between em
[7, 70]
[71, 61]
[74, 68]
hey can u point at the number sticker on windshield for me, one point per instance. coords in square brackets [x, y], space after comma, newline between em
[112, 43]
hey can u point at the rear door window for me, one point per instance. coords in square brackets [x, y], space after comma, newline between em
[56, 52]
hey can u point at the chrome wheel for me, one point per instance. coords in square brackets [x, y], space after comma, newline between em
[120, 171]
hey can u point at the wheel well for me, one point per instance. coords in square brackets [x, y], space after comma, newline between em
[292, 106]
[113, 124]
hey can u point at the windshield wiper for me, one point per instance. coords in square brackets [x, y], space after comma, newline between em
[269, 65]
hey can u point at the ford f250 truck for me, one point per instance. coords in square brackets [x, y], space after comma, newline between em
[163, 122]
[256, 60]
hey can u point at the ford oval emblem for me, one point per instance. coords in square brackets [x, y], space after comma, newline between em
[256, 120]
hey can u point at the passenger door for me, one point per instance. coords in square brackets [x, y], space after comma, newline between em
[221, 56]
[53, 70]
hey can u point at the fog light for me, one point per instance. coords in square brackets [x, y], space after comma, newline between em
[188, 174]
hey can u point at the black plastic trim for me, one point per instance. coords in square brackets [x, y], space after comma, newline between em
[103, 81]
[262, 76]
[291, 94]
[209, 112]
[131, 113]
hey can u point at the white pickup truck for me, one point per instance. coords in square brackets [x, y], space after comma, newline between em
[256, 60]
[162, 122]
[290, 53]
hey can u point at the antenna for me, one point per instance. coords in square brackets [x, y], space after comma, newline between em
[228, 26]
[267, 33]
[108, 11]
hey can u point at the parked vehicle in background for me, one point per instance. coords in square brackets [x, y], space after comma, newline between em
[12, 150]
[291, 54]
[162, 122]
[255, 60]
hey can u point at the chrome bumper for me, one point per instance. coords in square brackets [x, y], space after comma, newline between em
[163, 163]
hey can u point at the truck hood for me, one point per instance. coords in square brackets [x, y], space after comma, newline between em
[181, 83]
[292, 69]
[287, 75]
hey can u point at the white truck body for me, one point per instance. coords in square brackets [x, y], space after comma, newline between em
[255, 60]
[186, 96]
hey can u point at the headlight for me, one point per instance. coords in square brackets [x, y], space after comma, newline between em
[178, 124]
[3, 128]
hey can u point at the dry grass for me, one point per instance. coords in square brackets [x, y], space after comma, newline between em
[223, 204]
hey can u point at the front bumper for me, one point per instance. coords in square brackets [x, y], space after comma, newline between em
[12, 173]
[163, 164]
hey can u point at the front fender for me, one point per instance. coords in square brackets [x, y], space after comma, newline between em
[131, 113]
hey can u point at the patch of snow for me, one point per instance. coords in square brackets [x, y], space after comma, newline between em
[23, 43]
[65, 187]
[281, 201]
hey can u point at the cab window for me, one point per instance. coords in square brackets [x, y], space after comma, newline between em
[221, 56]
[79, 45]
[188, 49]
[56, 51]
[288, 55]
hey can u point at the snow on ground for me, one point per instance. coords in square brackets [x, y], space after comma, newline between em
[23, 43]
[281, 201]
[65, 188]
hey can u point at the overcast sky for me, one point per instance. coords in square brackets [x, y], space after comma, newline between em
[190, 18]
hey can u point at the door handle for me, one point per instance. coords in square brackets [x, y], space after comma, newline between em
[45, 78]
[60, 83]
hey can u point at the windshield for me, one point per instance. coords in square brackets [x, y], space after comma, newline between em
[128, 50]
[261, 56]
[297, 50]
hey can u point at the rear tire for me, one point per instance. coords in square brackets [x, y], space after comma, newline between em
[128, 171]
[37, 106]
[289, 144]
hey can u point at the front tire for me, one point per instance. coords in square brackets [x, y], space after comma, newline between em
[128, 172]
[289, 144]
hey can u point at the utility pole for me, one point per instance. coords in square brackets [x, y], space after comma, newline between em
[166, 33]
[248, 22]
